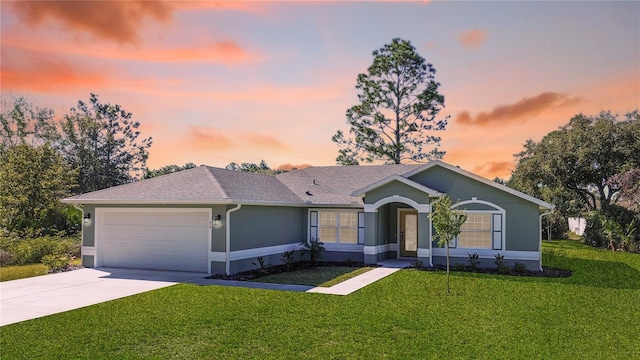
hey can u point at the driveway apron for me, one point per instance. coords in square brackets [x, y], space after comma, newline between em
[35, 297]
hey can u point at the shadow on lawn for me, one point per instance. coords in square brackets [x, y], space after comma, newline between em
[595, 273]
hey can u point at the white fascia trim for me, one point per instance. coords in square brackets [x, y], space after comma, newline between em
[376, 249]
[540, 203]
[489, 254]
[423, 253]
[145, 202]
[221, 256]
[343, 247]
[88, 250]
[401, 179]
[422, 208]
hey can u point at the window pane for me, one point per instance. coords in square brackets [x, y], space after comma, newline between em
[349, 219]
[328, 235]
[475, 239]
[328, 218]
[477, 222]
[349, 235]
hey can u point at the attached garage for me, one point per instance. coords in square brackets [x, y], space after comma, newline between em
[153, 238]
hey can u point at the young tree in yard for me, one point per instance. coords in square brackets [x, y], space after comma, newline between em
[101, 142]
[447, 223]
[395, 119]
[32, 182]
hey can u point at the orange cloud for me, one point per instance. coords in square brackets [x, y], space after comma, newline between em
[263, 141]
[289, 166]
[207, 138]
[111, 20]
[518, 112]
[210, 138]
[472, 39]
[492, 169]
[23, 70]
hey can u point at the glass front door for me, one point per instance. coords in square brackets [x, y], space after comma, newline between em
[408, 233]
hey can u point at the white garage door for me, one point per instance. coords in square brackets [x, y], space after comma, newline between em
[163, 239]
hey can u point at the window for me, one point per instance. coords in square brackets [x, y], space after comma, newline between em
[346, 227]
[481, 231]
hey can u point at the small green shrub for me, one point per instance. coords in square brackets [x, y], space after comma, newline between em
[261, 264]
[418, 264]
[288, 258]
[55, 263]
[504, 269]
[499, 261]
[519, 268]
[458, 267]
[314, 248]
[474, 261]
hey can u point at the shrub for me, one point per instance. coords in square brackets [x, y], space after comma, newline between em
[314, 248]
[6, 258]
[458, 267]
[17, 251]
[501, 265]
[474, 261]
[57, 262]
[288, 258]
[519, 268]
[261, 264]
[418, 264]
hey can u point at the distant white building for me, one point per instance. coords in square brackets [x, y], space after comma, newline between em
[577, 225]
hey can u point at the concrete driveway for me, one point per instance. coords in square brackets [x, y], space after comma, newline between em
[39, 296]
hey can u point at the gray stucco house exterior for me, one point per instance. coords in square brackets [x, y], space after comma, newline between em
[219, 221]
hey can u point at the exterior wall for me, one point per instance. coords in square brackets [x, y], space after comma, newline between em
[262, 226]
[522, 217]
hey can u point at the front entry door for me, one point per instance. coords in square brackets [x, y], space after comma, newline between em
[408, 233]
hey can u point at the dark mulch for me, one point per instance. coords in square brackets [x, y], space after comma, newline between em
[276, 269]
[547, 272]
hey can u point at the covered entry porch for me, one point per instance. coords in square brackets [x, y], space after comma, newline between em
[397, 223]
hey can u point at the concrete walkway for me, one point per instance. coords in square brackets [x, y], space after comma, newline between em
[344, 288]
[35, 297]
[356, 283]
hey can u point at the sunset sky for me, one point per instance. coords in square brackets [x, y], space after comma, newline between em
[216, 82]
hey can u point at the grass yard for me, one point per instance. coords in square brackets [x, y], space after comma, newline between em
[15, 272]
[595, 314]
[323, 276]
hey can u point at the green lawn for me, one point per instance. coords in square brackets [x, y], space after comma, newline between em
[594, 314]
[21, 271]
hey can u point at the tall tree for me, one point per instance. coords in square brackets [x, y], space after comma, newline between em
[32, 182]
[101, 142]
[22, 122]
[395, 118]
[580, 160]
[167, 169]
[447, 223]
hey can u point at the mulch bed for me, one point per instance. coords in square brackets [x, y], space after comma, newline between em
[277, 269]
[548, 272]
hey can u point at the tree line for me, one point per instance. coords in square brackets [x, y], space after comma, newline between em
[43, 159]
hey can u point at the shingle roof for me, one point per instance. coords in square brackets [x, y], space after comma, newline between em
[336, 184]
[203, 184]
[322, 185]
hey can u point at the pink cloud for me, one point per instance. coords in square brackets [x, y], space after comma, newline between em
[472, 39]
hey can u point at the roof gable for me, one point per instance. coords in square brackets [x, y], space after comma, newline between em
[398, 178]
[437, 163]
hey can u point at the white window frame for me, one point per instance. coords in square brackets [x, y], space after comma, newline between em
[498, 224]
[313, 227]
